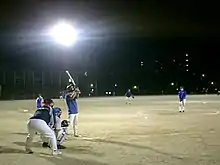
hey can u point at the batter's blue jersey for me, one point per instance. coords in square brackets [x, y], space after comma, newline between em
[71, 104]
[182, 95]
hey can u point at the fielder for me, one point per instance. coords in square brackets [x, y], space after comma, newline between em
[71, 102]
[182, 99]
[62, 95]
[60, 129]
[42, 122]
[39, 101]
[129, 96]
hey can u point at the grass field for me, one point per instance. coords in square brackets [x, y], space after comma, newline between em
[150, 131]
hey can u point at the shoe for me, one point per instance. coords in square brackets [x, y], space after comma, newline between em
[45, 145]
[180, 111]
[76, 135]
[56, 152]
[60, 147]
[29, 151]
[183, 111]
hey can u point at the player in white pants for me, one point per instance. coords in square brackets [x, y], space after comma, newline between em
[182, 99]
[71, 97]
[129, 97]
[39, 123]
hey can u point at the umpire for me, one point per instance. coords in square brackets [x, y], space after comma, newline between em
[39, 122]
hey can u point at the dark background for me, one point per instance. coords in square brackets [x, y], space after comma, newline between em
[115, 37]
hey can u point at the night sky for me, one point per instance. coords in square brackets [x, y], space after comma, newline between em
[128, 43]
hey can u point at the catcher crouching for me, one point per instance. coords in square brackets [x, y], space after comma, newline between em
[60, 129]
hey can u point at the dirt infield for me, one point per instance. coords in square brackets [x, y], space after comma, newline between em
[150, 131]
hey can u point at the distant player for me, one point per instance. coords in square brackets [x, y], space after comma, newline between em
[62, 95]
[60, 129]
[71, 102]
[42, 122]
[39, 101]
[182, 99]
[129, 96]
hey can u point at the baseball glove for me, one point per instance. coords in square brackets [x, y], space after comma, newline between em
[64, 123]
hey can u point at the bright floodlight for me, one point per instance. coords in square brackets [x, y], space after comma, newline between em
[64, 34]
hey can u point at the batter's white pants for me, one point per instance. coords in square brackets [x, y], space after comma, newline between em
[182, 105]
[73, 122]
[40, 126]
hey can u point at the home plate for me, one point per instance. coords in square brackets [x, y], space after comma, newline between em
[90, 138]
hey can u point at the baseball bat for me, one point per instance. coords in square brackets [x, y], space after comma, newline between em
[70, 77]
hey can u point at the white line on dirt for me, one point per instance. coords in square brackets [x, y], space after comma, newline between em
[213, 113]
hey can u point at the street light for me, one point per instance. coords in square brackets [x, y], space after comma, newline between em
[64, 34]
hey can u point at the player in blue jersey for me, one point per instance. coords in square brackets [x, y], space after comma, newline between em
[39, 101]
[129, 96]
[182, 99]
[42, 122]
[71, 102]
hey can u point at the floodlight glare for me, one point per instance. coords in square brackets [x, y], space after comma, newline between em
[64, 34]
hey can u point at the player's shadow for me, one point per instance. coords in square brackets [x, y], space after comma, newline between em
[70, 161]
[82, 150]
[133, 146]
[7, 150]
[34, 144]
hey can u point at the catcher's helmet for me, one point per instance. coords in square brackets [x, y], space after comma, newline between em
[57, 111]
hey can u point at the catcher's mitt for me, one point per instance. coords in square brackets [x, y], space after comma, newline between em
[64, 123]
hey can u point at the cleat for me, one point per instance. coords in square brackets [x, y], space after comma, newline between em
[56, 152]
[180, 111]
[29, 151]
[76, 135]
[45, 145]
[61, 147]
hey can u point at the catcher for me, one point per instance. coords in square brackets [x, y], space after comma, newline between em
[60, 129]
